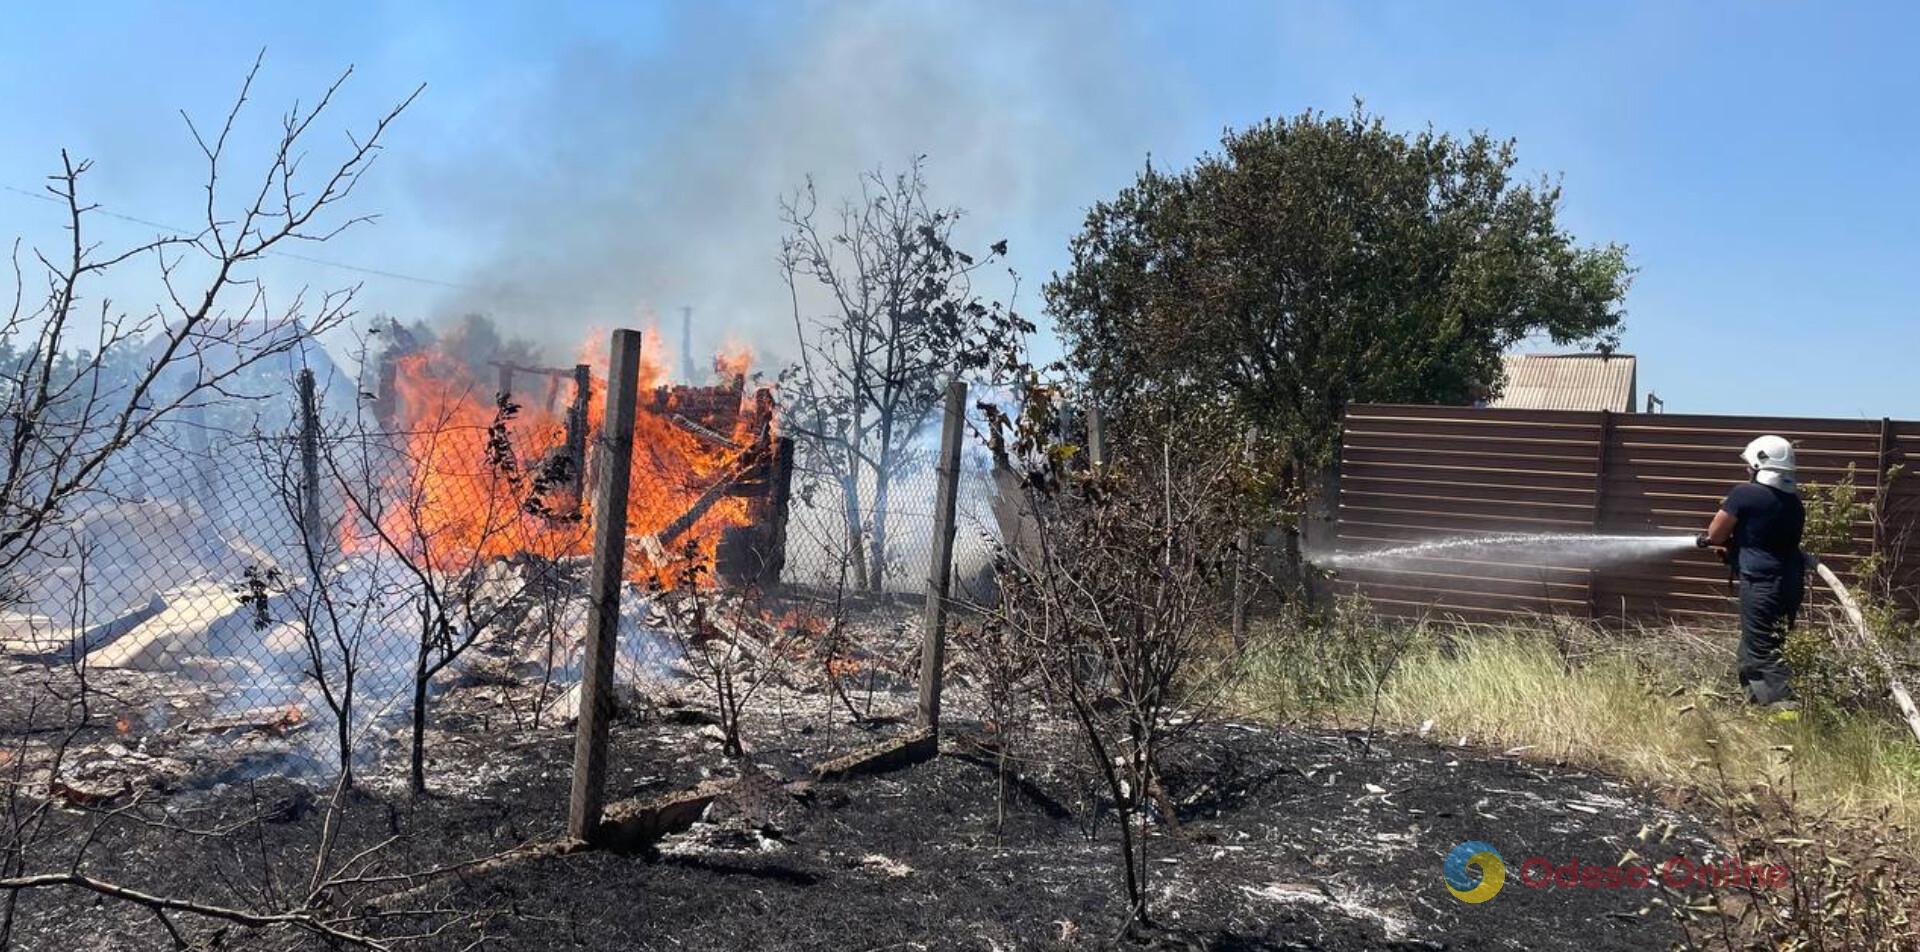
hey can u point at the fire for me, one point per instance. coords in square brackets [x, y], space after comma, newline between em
[734, 360]
[288, 720]
[458, 493]
[481, 476]
[121, 725]
[799, 619]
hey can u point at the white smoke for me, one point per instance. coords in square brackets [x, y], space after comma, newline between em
[629, 187]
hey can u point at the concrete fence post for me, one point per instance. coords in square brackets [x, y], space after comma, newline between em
[603, 588]
[311, 532]
[933, 651]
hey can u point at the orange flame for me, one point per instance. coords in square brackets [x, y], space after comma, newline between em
[734, 359]
[481, 478]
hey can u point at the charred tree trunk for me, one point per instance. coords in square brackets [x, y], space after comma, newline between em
[856, 554]
[343, 734]
[882, 487]
[422, 673]
[417, 766]
[850, 498]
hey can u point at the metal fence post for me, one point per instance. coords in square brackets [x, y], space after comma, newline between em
[603, 588]
[1883, 462]
[1601, 455]
[310, 532]
[933, 646]
[1096, 436]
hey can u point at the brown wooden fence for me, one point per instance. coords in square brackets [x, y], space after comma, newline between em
[1415, 473]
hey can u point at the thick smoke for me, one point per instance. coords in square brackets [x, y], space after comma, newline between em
[630, 187]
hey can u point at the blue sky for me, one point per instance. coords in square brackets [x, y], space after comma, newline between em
[591, 165]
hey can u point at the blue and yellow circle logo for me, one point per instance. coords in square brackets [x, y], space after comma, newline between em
[1474, 871]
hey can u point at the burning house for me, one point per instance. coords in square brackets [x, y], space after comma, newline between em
[500, 467]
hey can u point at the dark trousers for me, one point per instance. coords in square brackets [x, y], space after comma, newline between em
[1768, 606]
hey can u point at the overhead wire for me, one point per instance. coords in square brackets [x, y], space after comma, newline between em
[295, 256]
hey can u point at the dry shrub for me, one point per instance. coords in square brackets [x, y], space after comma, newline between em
[1854, 882]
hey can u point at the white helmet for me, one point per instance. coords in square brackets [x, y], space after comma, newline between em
[1771, 459]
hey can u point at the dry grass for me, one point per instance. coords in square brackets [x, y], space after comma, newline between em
[1659, 707]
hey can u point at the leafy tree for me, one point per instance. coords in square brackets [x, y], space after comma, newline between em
[1321, 260]
[885, 314]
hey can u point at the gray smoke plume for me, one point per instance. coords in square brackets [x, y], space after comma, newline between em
[631, 187]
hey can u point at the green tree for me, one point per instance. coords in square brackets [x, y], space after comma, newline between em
[1321, 260]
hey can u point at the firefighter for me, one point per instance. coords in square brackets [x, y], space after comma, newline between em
[1757, 532]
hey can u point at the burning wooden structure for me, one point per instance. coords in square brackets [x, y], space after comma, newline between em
[752, 552]
[711, 475]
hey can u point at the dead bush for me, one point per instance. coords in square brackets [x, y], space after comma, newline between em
[1112, 598]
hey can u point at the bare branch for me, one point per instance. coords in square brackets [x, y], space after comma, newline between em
[304, 921]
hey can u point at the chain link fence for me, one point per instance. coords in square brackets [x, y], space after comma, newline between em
[831, 545]
[296, 594]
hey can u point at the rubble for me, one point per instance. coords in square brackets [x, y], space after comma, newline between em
[278, 720]
[885, 866]
[40, 636]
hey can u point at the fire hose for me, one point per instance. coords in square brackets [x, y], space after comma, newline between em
[1865, 641]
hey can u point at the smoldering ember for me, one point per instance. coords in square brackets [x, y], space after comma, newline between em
[656, 505]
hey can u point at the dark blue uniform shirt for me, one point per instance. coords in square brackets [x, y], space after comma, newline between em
[1767, 530]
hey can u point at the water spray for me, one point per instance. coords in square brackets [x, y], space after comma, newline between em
[1570, 549]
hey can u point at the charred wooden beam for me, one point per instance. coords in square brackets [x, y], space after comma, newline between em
[555, 377]
[755, 554]
[716, 492]
[904, 751]
[638, 824]
[506, 366]
[386, 404]
[577, 428]
[773, 550]
[702, 432]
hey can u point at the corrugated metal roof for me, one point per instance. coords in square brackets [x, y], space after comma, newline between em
[1568, 382]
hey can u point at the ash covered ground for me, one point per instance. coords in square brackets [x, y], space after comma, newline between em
[1286, 840]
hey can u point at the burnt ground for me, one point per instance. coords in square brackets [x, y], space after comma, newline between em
[1287, 839]
[1290, 840]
